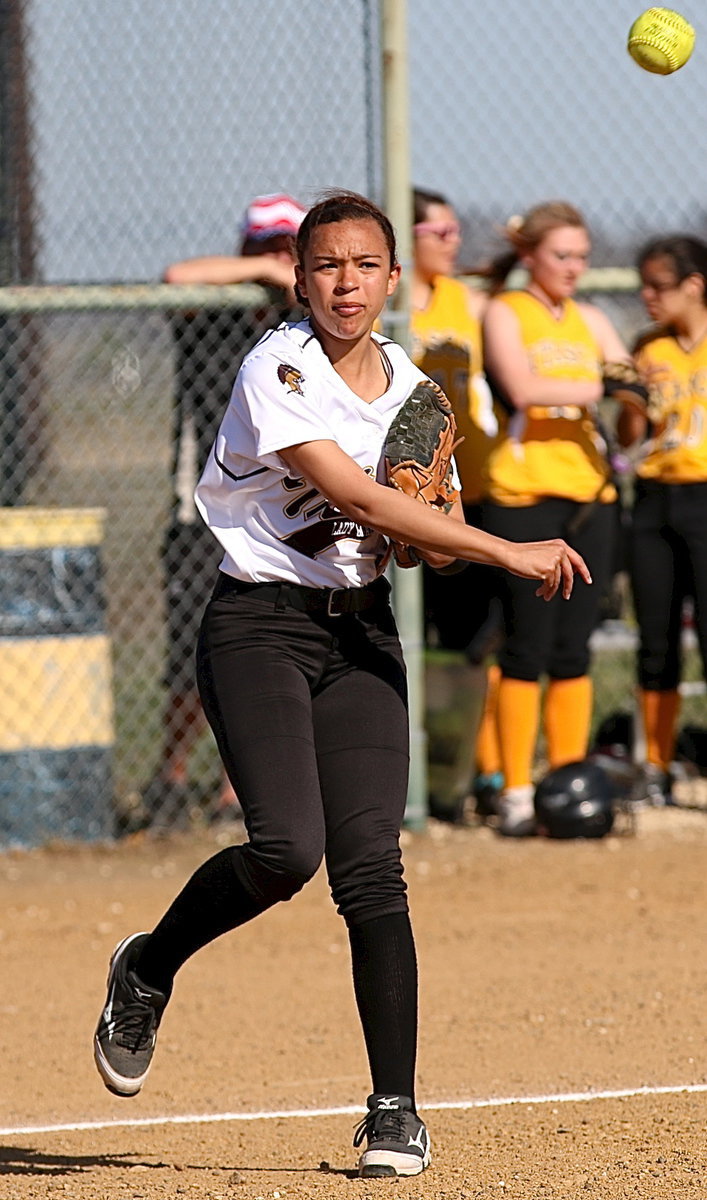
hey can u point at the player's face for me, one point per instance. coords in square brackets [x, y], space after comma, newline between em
[346, 277]
[663, 294]
[437, 242]
[559, 262]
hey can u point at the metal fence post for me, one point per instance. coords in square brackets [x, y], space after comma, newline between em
[407, 585]
[20, 349]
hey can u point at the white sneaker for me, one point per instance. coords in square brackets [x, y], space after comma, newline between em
[516, 811]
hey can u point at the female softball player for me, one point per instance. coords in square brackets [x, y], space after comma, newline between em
[668, 541]
[446, 343]
[548, 477]
[300, 668]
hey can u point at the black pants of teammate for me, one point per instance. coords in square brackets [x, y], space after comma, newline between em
[463, 608]
[552, 638]
[668, 561]
[310, 715]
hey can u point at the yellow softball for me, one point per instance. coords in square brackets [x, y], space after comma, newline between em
[661, 40]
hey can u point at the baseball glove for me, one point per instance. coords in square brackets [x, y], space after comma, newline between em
[622, 380]
[418, 454]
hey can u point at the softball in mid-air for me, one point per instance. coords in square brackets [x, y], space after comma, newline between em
[661, 40]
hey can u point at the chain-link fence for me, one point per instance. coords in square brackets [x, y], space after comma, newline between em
[126, 403]
[515, 103]
[132, 136]
[149, 126]
[110, 425]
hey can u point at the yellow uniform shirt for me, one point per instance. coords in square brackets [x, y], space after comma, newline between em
[677, 452]
[551, 452]
[446, 345]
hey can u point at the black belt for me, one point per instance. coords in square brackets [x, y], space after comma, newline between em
[332, 602]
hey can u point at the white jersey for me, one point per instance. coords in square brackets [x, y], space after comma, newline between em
[274, 527]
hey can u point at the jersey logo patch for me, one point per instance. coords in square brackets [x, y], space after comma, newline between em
[291, 377]
[324, 534]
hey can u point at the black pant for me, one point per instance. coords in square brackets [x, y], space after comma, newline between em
[668, 561]
[190, 558]
[463, 609]
[310, 715]
[552, 637]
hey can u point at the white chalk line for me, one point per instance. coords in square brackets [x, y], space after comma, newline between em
[355, 1111]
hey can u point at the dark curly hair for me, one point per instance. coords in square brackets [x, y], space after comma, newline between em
[687, 255]
[338, 206]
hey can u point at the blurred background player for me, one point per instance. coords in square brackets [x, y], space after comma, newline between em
[668, 541]
[209, 346]
[446, 343]
[547, 477]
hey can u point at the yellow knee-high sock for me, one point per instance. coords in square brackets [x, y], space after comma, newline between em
[568, 715]
[518, 716]
[660, 715]
[488, 751]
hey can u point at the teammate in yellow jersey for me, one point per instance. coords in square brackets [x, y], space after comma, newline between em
[446, 344]
[547, 475]
[446, 333]
[669, 530]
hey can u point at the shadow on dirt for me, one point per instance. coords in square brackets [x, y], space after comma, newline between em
[240, 1174]
[24, 1161]
[15, 1160]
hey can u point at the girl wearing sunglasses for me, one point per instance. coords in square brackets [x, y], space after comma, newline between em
[446, 336]
[668, 557]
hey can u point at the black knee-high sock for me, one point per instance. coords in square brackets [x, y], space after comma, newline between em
[385, 983]
[211, 903]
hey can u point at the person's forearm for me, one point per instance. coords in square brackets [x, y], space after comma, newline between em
[217, 269]
[406, 520]
[543, 392]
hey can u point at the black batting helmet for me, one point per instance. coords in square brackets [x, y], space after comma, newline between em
[575, 801]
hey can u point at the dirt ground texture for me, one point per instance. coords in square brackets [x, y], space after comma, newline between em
[551, 973]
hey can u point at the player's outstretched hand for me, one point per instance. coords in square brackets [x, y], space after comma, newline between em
[554, 563]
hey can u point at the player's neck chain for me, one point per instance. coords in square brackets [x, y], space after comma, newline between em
[556, 310]
[688, 342]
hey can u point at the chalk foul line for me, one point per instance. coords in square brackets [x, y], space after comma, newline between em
[298, 1113]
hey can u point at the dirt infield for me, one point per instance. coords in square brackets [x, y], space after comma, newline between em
[563, 1009]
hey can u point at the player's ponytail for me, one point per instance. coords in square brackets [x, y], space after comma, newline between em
[497, 271]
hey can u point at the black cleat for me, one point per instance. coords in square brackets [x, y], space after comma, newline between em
[125, 1036]
[398, 1142]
